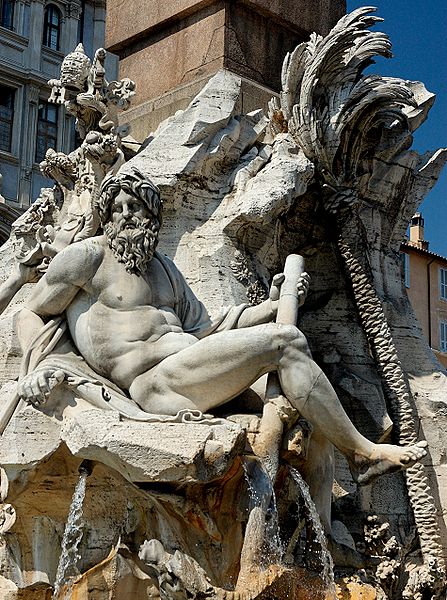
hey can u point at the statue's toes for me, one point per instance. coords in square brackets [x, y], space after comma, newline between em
[414, 453]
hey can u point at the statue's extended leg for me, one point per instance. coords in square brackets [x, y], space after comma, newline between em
[217, 368]
[319, 404]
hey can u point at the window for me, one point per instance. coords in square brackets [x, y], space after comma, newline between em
[7, 13]
[46, 129]
[51, 27]
[443, 283]
[443, 335]
[6, 117]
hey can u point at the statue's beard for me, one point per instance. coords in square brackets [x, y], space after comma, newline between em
[133, 246]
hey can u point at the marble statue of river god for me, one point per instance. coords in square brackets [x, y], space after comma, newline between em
[136, 323]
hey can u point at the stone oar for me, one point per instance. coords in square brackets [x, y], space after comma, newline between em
[269, 439]
[268, 442]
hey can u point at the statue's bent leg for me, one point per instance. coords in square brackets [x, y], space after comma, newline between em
[210, 372]
[217, 368]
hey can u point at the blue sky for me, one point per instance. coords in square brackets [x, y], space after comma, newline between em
[418, 32]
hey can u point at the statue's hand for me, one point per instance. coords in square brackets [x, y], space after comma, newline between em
[275, 288]
[36, 387]
[302, 288]
[27, 274]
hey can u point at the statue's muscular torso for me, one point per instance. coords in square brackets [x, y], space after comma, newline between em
[123, 324]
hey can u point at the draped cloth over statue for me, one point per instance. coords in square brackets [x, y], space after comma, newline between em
[53, 348]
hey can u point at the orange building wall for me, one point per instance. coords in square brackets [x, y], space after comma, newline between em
[425, 296]
[417, 292]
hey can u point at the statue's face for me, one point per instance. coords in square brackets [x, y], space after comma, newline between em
[131, 232]
[125, 207]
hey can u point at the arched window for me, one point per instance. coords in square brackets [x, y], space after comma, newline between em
[6, 117]
[7, 13]
[46, 129]
[52, 27]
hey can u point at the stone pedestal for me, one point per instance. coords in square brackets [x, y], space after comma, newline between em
[171, 49]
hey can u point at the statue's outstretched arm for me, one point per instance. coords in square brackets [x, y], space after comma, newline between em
[20, 275]
[66, 275]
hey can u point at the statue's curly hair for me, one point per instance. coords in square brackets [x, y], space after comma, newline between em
[134, 183]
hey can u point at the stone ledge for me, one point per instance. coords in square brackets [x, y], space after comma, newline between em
[140, 452]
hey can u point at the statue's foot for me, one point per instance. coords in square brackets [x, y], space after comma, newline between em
[386, 458]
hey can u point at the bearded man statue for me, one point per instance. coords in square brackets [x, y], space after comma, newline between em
[147, 343]
[131, 237]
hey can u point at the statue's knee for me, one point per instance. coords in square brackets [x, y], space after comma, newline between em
[286, 336]
[147, 388]
[159, 385]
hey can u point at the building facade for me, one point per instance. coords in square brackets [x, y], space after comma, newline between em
[426, 283]
[35, 35]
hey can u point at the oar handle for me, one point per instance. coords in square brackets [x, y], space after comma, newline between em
[287, 314]
[288, 299]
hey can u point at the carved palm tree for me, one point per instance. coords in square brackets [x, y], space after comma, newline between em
[357, 130]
